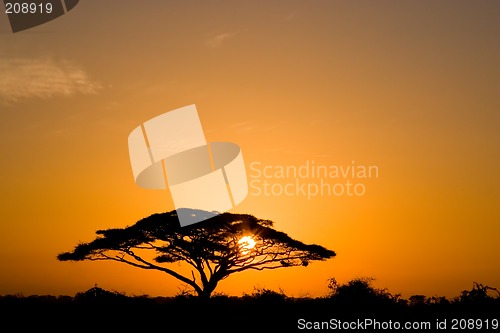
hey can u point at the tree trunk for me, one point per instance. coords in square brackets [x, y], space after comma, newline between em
[208, 289]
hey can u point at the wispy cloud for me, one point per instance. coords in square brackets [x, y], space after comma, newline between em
[22, 78]
[218, 39]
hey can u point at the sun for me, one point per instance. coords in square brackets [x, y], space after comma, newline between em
[246, 244]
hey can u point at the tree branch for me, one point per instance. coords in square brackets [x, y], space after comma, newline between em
[148, 265]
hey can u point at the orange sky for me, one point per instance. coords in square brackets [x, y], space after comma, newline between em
[411, 87]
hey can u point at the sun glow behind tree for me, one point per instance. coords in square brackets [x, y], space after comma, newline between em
[247, 243]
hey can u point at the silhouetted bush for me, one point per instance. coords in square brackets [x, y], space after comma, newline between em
[265, 295]
[359, 296]
[99, 295]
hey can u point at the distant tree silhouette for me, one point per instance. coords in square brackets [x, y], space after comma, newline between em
[212, 248]
[98, 294]
[479, 293]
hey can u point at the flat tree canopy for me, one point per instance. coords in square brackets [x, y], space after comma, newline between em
[219, 246]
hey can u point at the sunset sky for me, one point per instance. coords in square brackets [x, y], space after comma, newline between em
[411, 87]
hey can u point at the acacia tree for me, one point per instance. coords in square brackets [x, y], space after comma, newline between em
[222, 245]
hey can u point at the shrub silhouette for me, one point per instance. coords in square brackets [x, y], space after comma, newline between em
[268, 296]
[479, 294]
[359, 295]
[96, 294]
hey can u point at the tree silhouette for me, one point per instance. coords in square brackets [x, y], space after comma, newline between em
[221, 245]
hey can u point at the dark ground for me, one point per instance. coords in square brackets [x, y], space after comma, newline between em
[98, 310]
